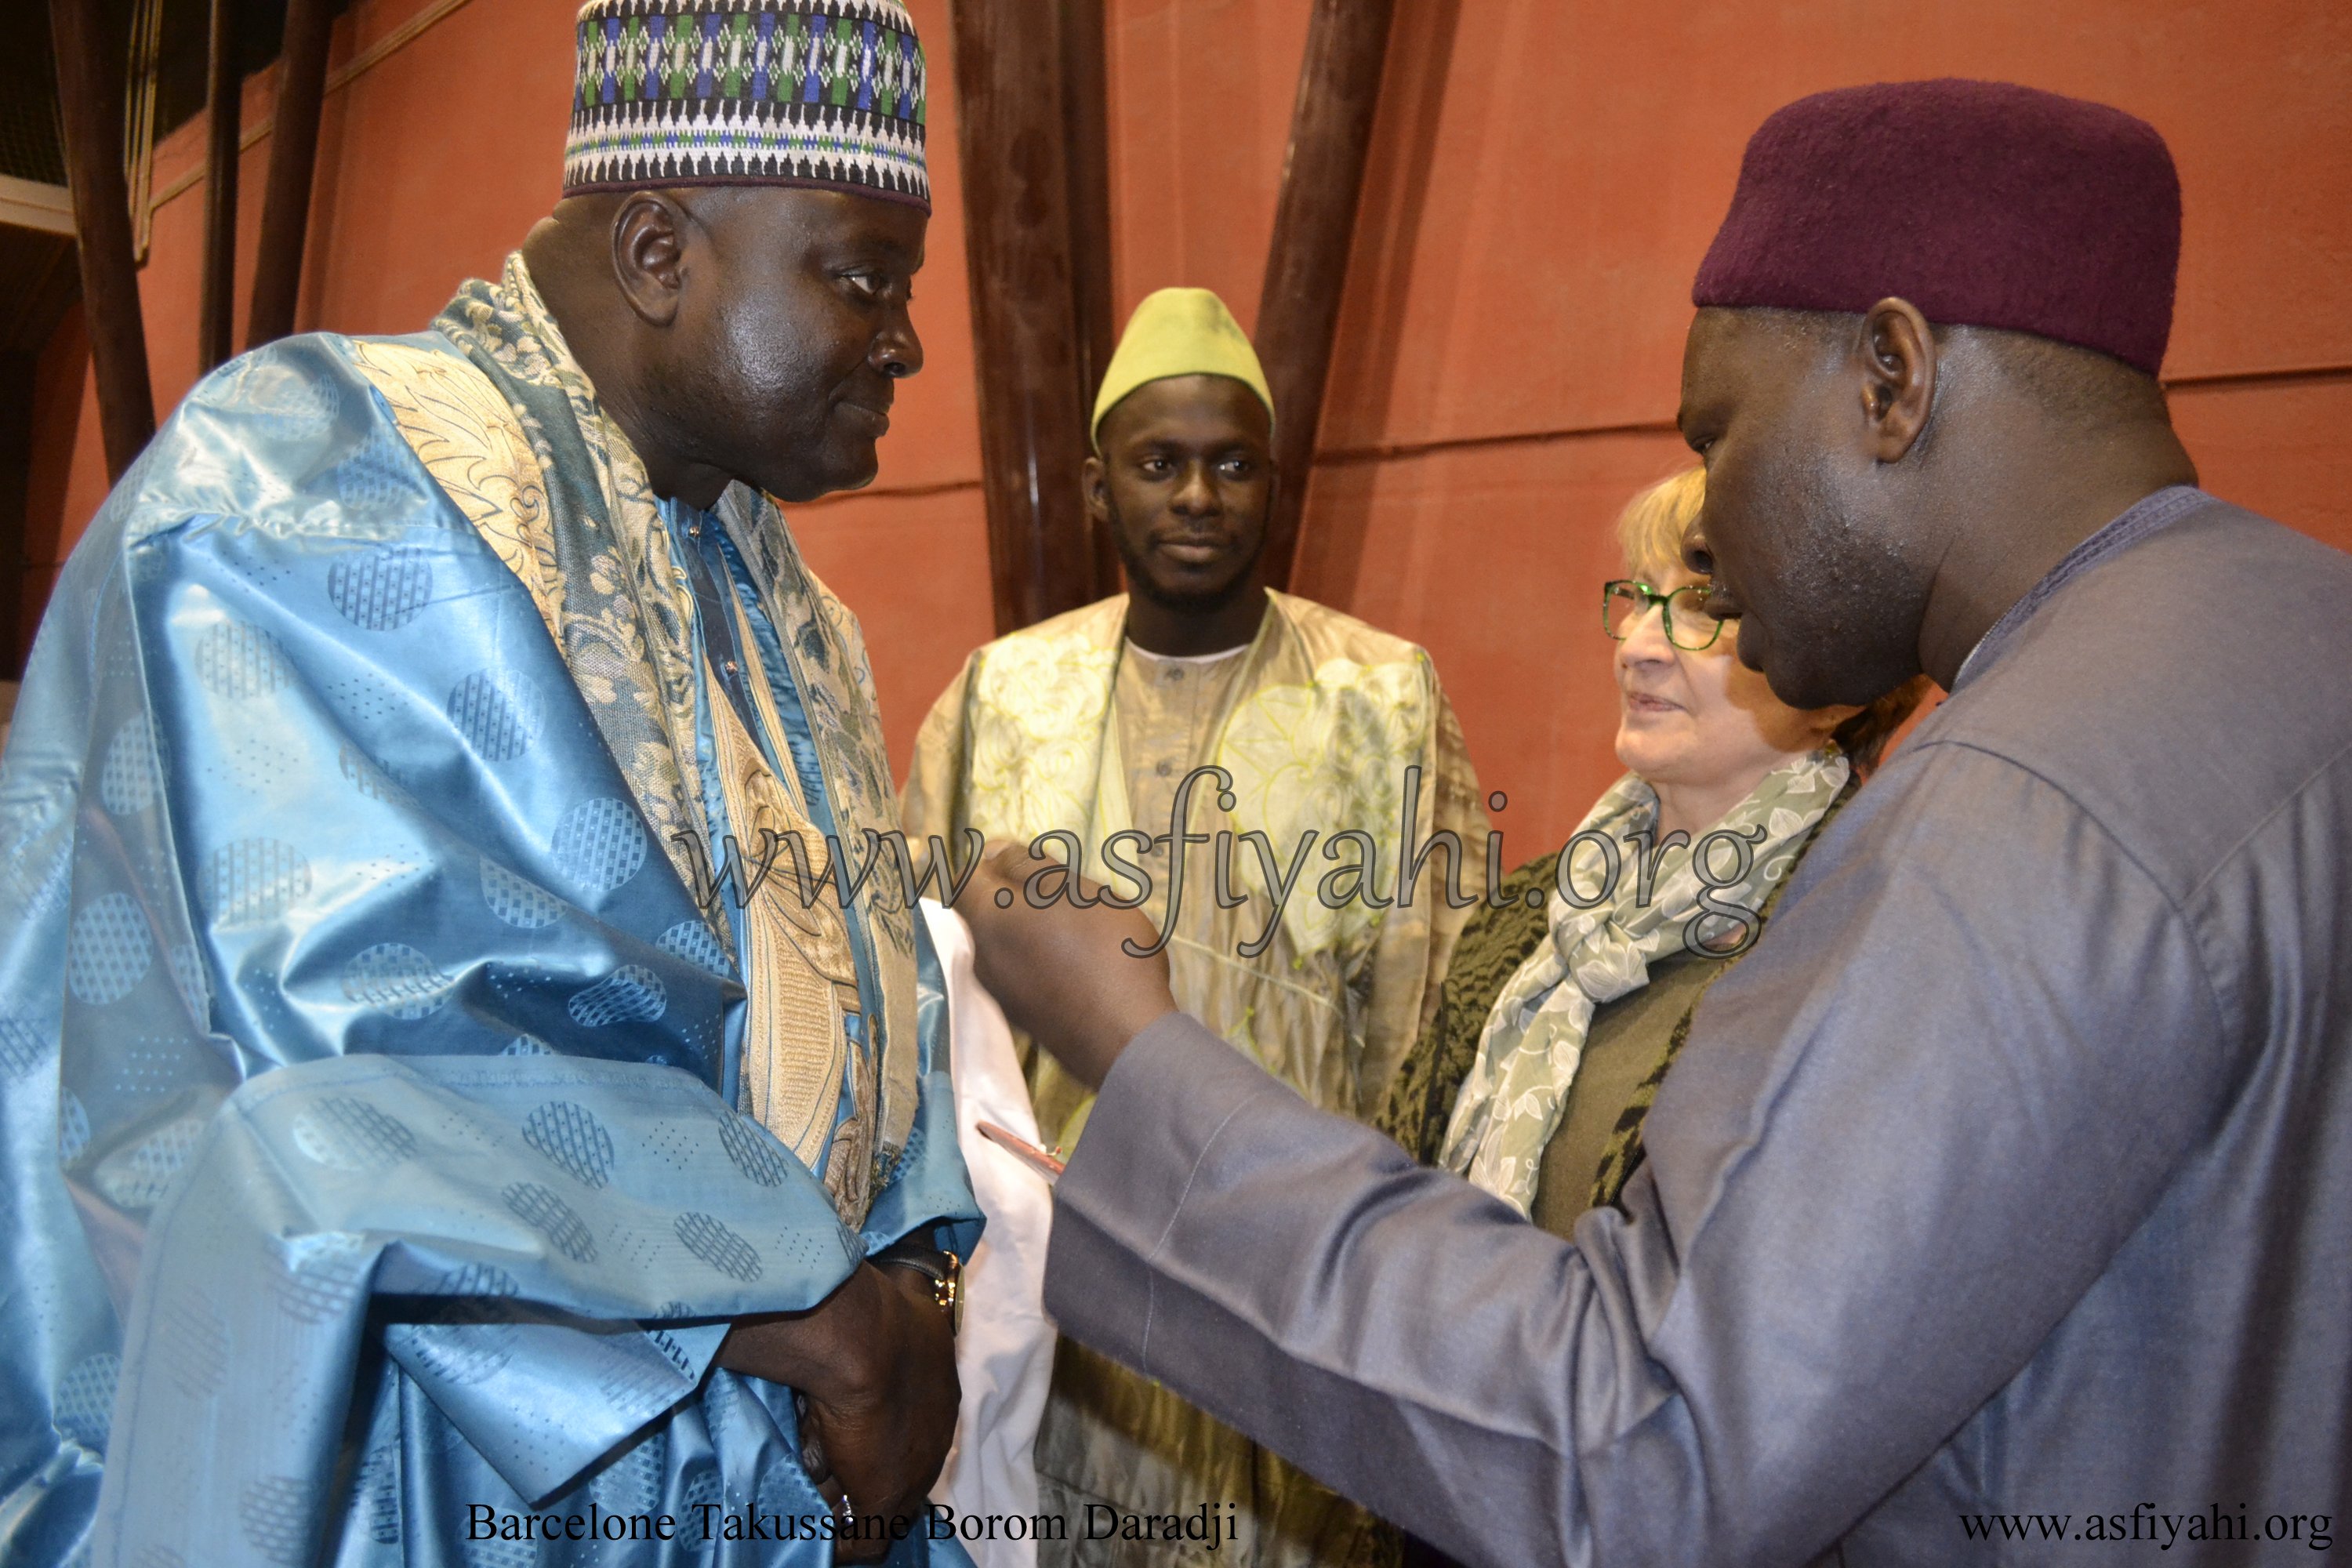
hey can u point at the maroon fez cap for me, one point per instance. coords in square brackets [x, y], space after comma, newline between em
[1982, 203]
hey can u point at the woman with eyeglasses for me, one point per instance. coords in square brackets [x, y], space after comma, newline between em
[1563, 1007]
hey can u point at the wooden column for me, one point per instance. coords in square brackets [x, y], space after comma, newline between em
[1086, 119]
[1314, 225]
[223, 108]
[91, 66]
[293, 154]
[1010, 85]
[17, 367]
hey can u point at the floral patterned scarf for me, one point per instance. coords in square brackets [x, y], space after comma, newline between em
[1512, 1102]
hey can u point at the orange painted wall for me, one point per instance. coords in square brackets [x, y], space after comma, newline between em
[1545, 176]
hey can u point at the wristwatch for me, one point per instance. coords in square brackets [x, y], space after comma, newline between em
[943, 1270]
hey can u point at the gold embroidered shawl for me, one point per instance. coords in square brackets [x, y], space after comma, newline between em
[502, 417]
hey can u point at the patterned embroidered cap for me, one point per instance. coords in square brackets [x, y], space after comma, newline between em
[826, 93]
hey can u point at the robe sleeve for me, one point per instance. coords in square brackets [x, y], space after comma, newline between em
[929, 1189]
[932, 803]
[1407, 963]
[1906, 1135]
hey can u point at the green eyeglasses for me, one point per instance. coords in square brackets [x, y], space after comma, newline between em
[1688, 626]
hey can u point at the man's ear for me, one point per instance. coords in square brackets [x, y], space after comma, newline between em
[1898, 376]
[649, 255]
[1094, 479]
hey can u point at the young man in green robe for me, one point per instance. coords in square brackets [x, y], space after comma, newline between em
[1334, 848]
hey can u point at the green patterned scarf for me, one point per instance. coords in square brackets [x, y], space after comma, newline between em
[1512, 1102]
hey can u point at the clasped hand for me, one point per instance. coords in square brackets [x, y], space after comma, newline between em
[874, 1363]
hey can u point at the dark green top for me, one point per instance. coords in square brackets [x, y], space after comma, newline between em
[1627, 1043]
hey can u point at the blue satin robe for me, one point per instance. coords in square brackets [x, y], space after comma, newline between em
[367, 1075]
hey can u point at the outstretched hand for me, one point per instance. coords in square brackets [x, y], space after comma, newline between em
[1065, 973]
[875, 1366]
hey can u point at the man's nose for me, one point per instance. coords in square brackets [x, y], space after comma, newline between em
[897, 350]
[1197, 495]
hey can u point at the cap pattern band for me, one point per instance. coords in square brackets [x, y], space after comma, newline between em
[681, 93]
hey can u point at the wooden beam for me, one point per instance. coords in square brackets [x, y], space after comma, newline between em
[29, 203]
[1016, 192]
[90, 67]
[293, 154]
[223, 107]
[43, 287]
[1086, 121]
[16, 377]
[1314, 226]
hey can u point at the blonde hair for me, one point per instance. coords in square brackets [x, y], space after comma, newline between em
[1650, 532]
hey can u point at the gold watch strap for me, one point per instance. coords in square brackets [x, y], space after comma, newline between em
[943, 1270]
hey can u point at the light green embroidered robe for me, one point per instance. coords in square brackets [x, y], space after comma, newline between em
[1331, 727]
